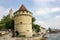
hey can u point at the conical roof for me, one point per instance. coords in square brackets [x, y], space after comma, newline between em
[22, 8]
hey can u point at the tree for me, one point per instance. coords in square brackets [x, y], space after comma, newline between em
[33, 19]
[5, 19]
[8, 23]
[35, 27]
[49, 29]
[2, 26]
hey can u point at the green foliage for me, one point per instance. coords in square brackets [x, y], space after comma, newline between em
[5, 19]
[10, 24]
[35, 27]
[7, 23]
[49, 29]
[2, 26]
[33, 19]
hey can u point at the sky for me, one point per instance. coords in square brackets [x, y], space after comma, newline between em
[46, 12]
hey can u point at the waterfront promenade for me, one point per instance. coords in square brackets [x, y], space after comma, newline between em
[8, 36]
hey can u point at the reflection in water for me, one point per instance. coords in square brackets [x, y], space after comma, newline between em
[53, 36]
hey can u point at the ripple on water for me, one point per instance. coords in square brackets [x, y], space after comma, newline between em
[53, 36]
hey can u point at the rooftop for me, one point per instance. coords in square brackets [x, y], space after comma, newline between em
[22, 8]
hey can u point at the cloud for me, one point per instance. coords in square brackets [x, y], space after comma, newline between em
[45, 11]
[48, 20]
[57, 23]
[47, 3]
[54, 22]
[42, 23]
[3, 11]
[55, 9]
[41, 12]
[43, 0]
[58, 17]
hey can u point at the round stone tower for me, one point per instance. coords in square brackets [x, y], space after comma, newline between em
[23, 22]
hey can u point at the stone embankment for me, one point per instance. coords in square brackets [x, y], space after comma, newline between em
[8, 36]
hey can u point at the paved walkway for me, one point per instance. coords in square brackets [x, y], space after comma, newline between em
[8, 36]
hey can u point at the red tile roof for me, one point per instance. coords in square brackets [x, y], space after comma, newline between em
[22, 8]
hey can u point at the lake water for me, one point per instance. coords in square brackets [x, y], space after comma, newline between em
[53, 36]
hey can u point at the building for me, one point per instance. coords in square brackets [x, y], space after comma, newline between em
[11, 13]
[43, 31]
[23, 22]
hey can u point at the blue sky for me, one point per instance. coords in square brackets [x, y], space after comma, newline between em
[47, 12]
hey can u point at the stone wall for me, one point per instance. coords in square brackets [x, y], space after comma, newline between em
[9, 37]
[23, 23]
[32, 38]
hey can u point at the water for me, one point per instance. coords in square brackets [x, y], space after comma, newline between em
[53, 36]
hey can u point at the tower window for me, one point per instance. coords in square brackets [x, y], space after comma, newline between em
[24, 14]
[20, 22]
[27, 30]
